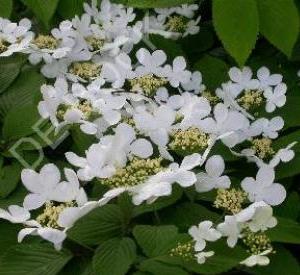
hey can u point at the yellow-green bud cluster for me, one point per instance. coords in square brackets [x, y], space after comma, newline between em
[85, 70]
[257, 242]
[191, 140]
[148, 84]
[3, 46]
[184, 251]
[230, 200]
[176, 23]
[263, 147]
[95, 43]
[45, 42]
[84, 106]
[136, 172]
[129, 121]
[51, 214]
[251, 99]
[213, 99]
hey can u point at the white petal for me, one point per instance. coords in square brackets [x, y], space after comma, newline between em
[25, 232]
[191, 161]
[265, 176]
[142, 148]
[215, 166]
[186, 178]
[275, 194]
[76, 160]
[34, 201]
[50, 175]
[30, 179]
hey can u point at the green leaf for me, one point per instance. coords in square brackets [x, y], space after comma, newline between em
[146, 4]
[170, 47]
[78, 266]
[68, 9]
[6, 8]
[158, 268]
[33, 260]
[187, 214]
[279, 23]
[236, 24]
[19, 122]
[289, 169]
[9, 68]
[214, 71]
[42, 9]
[290, 208]
[286, 231]
[155, 240]
[10, 231]
[114, 256]
[9, 178]
[99, 225]
[81, 140]
[16, 197]
[23, 91]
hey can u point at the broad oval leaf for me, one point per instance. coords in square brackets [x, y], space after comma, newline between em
[42, 9]
[9, 178]
[114, 256]
[279, 23]
[33, 260]
[99, 225]
[236, 24]
[147, 4]
[6, 8]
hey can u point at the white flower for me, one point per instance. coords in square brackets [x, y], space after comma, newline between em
[53, 96]
[213, 178]
[52, 235]
[263, 187]
[267, 128]
[156, 125]
[110, 153]
[225, 125]
[123, 143]
[275, 98]
[202, 233]
[258, 217]
[57, 68]
[192, 27]
[15, 214]
[160, 184]
[263, 219]
[46, 186]
[70, 215]
[283, 155]
[118, 70]
[94, 165]
[192, 108]
[177, 74]
[231, 229]
[266, 80]
[186, 10]
[194, 84]
[260, 259]
[201, 256]
[243, 79]
[150, 63]
[18, 36]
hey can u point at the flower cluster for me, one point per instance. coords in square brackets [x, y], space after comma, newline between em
[155, 123]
